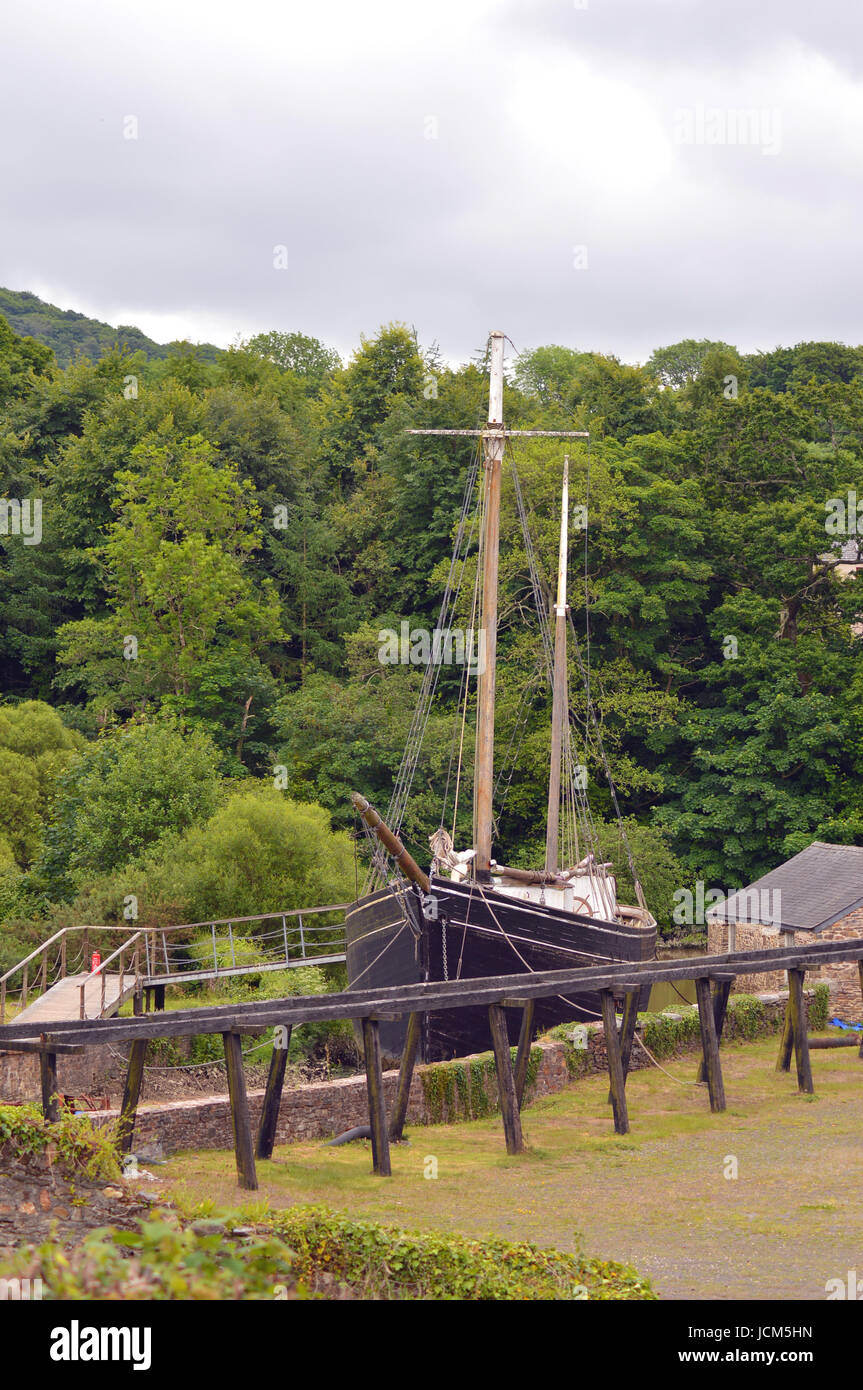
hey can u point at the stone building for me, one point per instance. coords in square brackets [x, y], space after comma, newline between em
[816, 896]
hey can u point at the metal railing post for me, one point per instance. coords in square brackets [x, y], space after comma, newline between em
[302, 938]
[24, 988]
[231, 941]
[285, 935]
[63, 957]
[215, 952]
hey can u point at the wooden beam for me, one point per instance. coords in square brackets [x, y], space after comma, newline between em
[48, 1078]
[406, 1071]
[505, 1080]
[522, 1057]
[273, 1098]
[616, 1077]
[721, 991]
[131, 1094]
[243, 1148]
[421, 997]
[160, 997]
[846, 1041]
[710, 1044]
[801, 1037]
[377, 1106]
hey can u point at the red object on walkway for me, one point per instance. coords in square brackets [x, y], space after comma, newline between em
[95, 961]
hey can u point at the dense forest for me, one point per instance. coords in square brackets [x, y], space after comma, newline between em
[199, 550]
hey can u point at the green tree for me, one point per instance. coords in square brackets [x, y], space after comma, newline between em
[184, 607]
[122, 796]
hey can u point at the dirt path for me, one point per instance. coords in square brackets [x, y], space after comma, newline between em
[658, 1197]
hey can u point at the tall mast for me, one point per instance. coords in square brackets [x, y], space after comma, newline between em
[493, 445]
[559, 712]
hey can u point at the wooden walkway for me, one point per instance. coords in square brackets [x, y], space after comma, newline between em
[618, 985]
[63, 1000]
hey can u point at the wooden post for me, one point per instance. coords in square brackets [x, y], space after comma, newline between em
[493, 448]
[786, 1043]
[801, 1036]
[615, 1063]
[48, 1077]
[710, 1044]
[243, 1147]
[505, 1080]
[627, 1030]
[131, 1094]
[377, 1106]
[522, 1057]
[406, 1071]
[722, 989]
[860, 972]
[159, 993]
[273, 1098]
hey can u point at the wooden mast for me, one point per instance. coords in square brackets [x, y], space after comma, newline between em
[559, 711]
[493, 445]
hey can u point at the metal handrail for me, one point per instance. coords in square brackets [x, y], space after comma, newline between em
[100, 970]
[149, 937]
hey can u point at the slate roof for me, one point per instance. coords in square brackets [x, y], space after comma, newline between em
[807, 893]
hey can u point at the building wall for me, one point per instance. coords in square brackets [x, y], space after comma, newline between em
[843, 977]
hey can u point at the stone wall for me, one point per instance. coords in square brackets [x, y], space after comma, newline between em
[77, 1073]
[37, 1202]
[442, 1091]
[843, 977]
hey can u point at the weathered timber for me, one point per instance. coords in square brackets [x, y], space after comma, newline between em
[273, 1098]
[627, 1032]
[801, 1037]
[522, 1057]
[849, 1041]
[721, 991]
[505, 1080]
[786, 1042]
[406, 1071]
[48, 1078]
[377, 1106]
[420, 998]
[131, 1094]
[710, 1044]
[615, 1063]
[243, 1147]
[159, 992]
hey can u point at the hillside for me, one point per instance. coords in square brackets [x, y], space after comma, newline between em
[72, 335]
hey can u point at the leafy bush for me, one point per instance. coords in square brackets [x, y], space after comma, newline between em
[400, 1264]
[123, 795]
[304, 1251]
[259, 852]
[73, 1142]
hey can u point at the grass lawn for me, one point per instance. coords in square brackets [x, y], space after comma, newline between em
[658, 1197]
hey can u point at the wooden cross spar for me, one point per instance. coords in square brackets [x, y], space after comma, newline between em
[494, 437]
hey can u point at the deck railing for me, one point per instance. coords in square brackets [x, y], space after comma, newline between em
[222, 948]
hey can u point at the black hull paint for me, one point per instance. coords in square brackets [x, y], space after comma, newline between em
[389, 942]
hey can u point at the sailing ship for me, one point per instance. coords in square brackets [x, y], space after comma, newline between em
[469, 915]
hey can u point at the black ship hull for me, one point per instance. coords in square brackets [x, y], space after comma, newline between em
[391, 942]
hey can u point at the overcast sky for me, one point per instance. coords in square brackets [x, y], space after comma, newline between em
[612, 176]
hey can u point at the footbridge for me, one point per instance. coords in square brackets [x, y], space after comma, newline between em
[69, 976]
